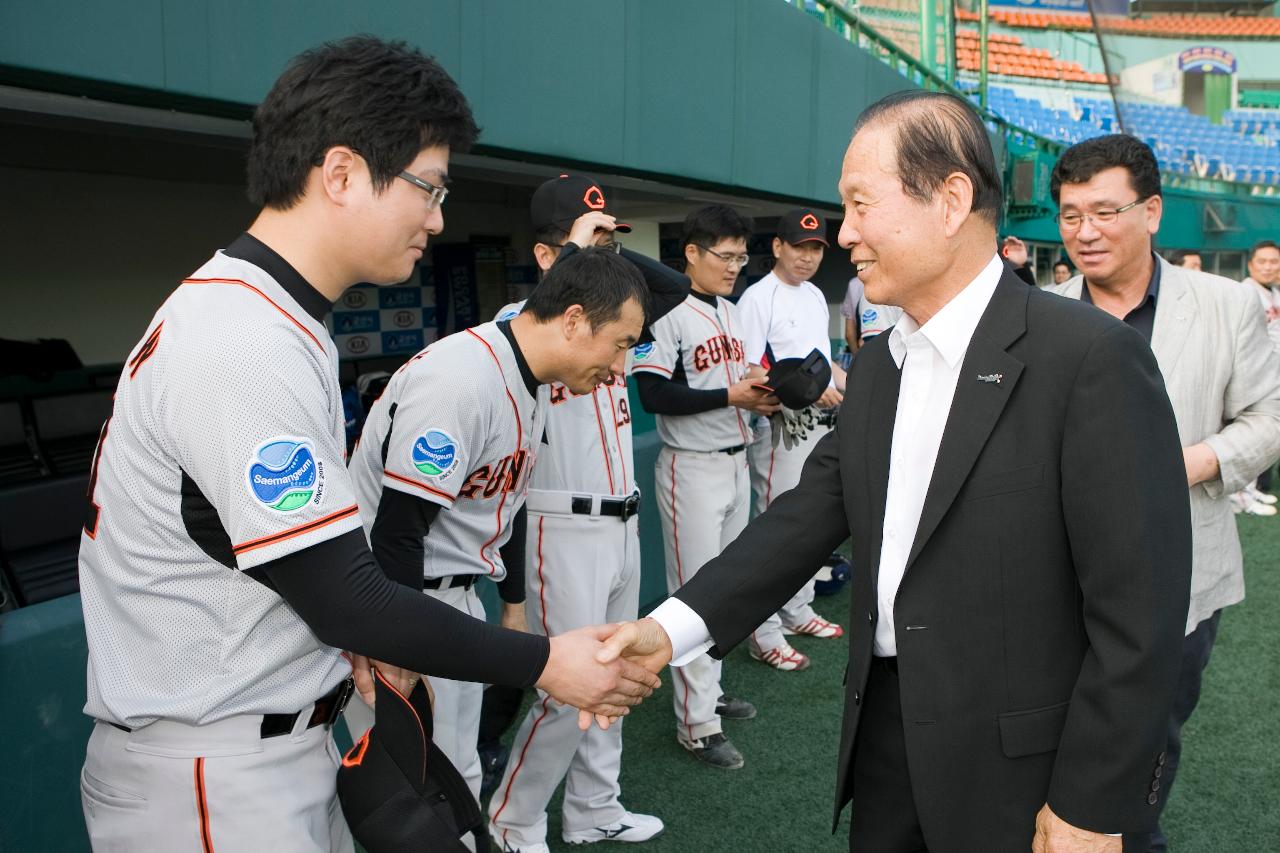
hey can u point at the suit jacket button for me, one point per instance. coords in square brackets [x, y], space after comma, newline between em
[1152, 799]
[857, 700]
[1159, 770]
[1155, 784]
[1160, 758]
[871, 617]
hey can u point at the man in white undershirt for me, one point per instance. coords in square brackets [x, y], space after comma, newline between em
[1014, 487]
[784, 315]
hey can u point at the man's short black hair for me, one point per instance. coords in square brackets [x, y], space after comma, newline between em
[385, 100]
[1182, 254]
[551, 235]
[708, 225]
[938, 134]
[1079, 163]
[1057, 264]
[598, 279]
[1262, 244]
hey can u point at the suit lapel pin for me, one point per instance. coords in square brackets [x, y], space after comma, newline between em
[990, 377]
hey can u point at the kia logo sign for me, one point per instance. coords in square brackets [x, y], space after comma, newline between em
[355, 298]
[359, 345]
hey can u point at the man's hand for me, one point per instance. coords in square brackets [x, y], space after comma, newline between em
[575, 675]
[513, 617]
[1201, 462]
[1015, 250]
[1055, 835]
[830, 399]
[362, 673]
[838, 377]
[643, 641]
[583, 232]
[745, 395]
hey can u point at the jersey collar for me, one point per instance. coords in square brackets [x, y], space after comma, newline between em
[246, 247]
[531, 382]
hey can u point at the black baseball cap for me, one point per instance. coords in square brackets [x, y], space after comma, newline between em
[799, 382]
[560, 201]
[398, 791]
[802, 225]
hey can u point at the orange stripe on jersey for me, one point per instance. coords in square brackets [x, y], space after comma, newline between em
[254, 544]
[399, 479]
[515, 410]
[604, 444]
[274, 304]
[145, 352]
[657, 367]
[727, 375]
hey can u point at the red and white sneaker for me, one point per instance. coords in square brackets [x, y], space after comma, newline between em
[815, 627]
[784, 657]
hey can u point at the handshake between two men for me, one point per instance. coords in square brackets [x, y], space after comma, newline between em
[603, 670]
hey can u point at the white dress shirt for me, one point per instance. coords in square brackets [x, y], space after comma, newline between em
[929, 357]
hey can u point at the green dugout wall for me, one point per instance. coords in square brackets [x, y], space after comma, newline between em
[751, 95]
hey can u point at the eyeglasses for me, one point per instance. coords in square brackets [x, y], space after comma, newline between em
[1105, 216]
[435, 195]
[731, 260]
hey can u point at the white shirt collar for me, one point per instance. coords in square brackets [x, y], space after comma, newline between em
[951, 329]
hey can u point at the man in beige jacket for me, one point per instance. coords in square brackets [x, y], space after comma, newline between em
[1223, 378]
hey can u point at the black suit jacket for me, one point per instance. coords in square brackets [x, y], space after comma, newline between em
[1040, 620]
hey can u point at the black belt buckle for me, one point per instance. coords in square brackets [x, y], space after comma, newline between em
[580, 505]
[630, 506]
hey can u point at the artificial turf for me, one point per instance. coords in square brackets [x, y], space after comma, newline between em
[1227, 796]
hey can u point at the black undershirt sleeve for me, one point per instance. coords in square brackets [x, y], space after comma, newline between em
[662, 396]
[342, 595]
[402, 522]
[511, 588]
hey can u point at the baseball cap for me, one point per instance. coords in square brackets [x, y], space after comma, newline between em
[397, 789]
[801, 225]
[799, 382]
[560, 201]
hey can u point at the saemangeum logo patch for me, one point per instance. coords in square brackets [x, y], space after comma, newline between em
[284, 474]
[435, 453]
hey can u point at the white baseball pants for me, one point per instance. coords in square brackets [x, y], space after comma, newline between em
[221, 786]
[703, 500]
[582, 570]
[775, 470]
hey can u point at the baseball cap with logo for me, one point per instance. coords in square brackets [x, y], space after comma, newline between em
[397, 789]
[801, 225]
[799, 382]
[560, 201]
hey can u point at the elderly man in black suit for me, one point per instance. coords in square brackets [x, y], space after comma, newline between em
[1016, 496]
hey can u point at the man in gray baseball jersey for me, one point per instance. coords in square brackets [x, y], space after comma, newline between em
[694, 378]
[583, 499]
[222, 565]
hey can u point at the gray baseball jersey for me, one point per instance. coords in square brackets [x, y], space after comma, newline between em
[704, 345]
[457, 426]
[224, 451]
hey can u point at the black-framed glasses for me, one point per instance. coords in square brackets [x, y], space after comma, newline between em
[435, 195]
[730, 259]
[1104, 216]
